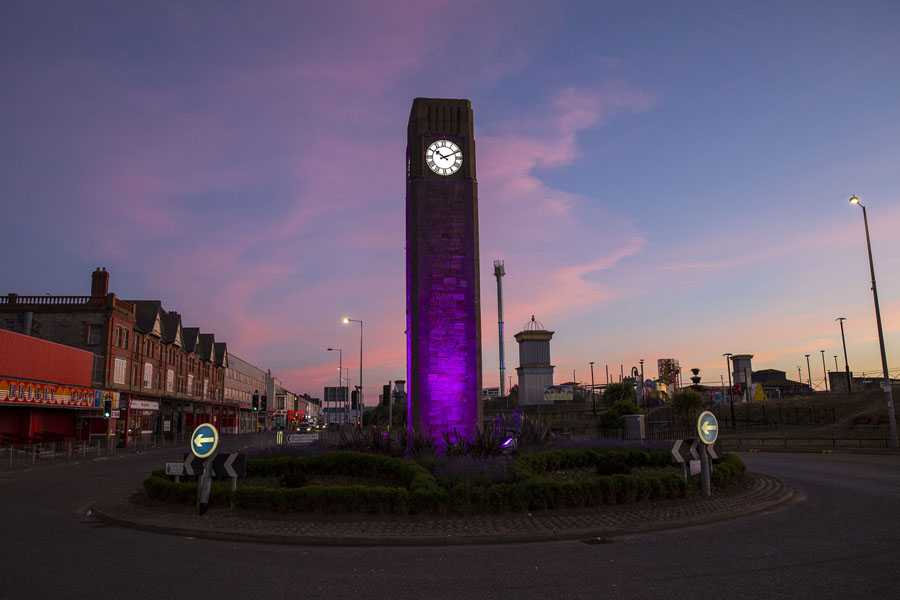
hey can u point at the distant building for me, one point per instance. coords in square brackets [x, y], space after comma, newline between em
[242, 381]
[777, 385]
[491, 393]
[838, 382]
[668, 370]
[535, 372]
[742, 376]
[559, 393]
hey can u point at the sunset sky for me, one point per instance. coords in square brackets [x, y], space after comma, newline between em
[662, 179]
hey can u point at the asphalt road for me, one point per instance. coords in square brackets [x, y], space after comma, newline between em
[842, 541]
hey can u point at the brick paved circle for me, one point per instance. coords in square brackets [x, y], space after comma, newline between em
[755, 494]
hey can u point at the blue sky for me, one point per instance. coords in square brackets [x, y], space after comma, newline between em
[662, 179]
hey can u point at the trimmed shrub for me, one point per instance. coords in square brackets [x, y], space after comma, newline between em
[601, 477]
[727, 471]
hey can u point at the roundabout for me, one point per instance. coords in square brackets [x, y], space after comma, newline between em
[757, 493]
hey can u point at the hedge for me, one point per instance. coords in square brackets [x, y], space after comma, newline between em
[411, 488]
[728, 471]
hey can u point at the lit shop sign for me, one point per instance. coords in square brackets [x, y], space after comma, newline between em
[45, 394]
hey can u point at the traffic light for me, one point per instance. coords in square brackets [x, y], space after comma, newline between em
[107, 408]
[263, 402]
[255, 402]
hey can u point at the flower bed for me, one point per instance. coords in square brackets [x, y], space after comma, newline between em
[370, 483]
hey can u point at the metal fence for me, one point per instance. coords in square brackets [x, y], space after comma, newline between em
[776, 443]
[41, 453]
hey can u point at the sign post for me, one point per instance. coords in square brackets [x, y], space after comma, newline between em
[708, 430]
[204, 443]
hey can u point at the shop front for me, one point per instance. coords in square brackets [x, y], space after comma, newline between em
[35, 411]
[143, 422]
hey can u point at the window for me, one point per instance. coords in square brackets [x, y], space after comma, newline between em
[93, 334]
[170, 380]
[125, 339]
[206, 388]
[148, 375]
[190, 384]
[120, 368]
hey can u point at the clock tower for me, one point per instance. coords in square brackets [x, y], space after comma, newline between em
[443, 309]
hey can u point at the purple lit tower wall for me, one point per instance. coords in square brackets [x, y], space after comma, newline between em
[443, 312]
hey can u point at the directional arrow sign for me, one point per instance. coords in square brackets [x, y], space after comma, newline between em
[684, 451]
[192, 465]
[707, 427]
[232, 466]
[676, 452]
[204, 440]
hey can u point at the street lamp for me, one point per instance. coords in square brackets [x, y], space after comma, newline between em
[643, 395]
[727, 356]
[340, 352]
[593, 403]
[347, 321]
[889, 396]
[844, 342]
[824, 370]
[809, 373]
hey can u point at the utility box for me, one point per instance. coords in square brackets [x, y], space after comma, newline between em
[634, 427]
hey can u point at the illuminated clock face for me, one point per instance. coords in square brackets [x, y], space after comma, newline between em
[443, 157]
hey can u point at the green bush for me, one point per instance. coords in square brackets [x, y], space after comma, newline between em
[728, 471]
[612, 476]
[613, 418]
[161, 487]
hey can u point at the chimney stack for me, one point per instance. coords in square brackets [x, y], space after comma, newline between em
[99, 283]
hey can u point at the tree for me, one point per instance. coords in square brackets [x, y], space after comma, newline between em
[687, 404]
[613, 418]
[615, 392]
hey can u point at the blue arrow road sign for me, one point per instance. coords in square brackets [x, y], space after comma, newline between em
[204, 440]
[708, 427]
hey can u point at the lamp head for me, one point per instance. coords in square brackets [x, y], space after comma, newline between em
[345, 320]
[854, 199]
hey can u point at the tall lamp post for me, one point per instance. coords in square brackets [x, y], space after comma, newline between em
[846, 363]
[809, 372]
[348, 320]
[643, 394]
[727, 356]
[593, 403]
[889, 396]
[340, 366]
[824, 370]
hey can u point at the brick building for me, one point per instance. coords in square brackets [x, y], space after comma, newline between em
[165, 378]
[243, 380]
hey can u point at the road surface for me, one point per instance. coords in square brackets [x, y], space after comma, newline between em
[841, 541]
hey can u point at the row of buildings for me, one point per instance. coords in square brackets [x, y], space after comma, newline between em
[149, 374]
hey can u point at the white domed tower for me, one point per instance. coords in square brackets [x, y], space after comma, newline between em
[535, 371]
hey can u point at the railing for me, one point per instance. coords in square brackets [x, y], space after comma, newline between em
[44, 300]
[42, 453]
[803, 443]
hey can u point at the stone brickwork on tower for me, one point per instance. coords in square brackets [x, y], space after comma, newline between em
[443, 304]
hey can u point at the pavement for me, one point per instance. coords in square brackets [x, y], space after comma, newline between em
[756, 493]
[841, 541]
